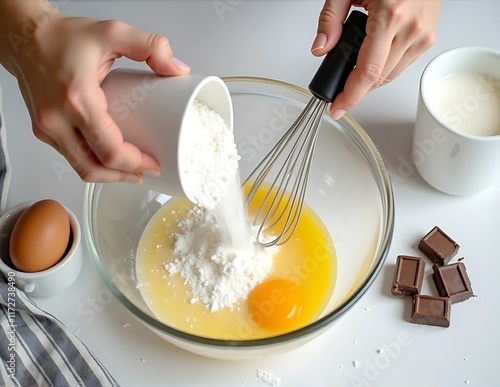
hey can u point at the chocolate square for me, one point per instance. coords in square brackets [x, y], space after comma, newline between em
[430, 310]
[438, 246]
[452, 281]
[408, 276]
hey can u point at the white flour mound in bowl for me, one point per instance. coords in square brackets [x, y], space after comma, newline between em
[219, 275]
[217, 252]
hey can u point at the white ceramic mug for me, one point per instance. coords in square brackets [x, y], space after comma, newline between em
[46, 282]
[456, 141]
[150, 111]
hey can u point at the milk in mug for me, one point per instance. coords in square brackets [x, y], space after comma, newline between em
[468, 102]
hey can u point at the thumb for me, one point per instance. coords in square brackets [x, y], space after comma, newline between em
[148, 47]
[162, 60]
[331, 19]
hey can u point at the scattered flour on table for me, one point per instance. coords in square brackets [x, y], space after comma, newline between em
[268, 378]
[217, 252]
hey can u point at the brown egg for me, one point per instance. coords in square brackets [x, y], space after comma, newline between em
[40, 236]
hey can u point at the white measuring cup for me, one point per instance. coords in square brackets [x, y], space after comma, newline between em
[150, 110]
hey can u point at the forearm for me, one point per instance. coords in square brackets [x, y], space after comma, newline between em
[19, 22]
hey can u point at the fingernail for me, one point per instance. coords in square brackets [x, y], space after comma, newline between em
[319, 42]
[337, 114]
[134, 179]
[179, 64]
[151, 172]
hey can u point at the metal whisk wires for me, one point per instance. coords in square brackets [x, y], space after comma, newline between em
[279, 212]
[286, 167]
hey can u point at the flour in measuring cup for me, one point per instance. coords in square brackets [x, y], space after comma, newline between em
[217, 252]
[210, 159]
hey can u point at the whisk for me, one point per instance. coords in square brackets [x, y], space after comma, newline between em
[279, 213]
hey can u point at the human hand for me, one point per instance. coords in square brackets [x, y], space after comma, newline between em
[397, 32]
[59, 72]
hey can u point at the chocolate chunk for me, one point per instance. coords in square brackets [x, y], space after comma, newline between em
[430, 310]
[408, 276]
[452, 281]
[438, 246]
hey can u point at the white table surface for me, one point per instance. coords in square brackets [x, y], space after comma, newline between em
[272, 39]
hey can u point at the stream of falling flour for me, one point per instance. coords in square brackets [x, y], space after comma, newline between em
[231, 215]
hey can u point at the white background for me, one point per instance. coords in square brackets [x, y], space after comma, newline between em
[272, 39]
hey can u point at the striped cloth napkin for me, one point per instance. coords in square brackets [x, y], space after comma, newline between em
[36, 349]
[5, 169]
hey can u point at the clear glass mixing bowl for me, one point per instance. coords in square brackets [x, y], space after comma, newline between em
[349, 188]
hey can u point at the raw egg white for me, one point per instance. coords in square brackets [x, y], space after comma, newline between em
[40, 236]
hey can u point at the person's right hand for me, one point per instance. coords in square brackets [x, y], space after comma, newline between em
[59, 72]
[397, 32]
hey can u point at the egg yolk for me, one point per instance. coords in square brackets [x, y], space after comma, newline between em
[276, 304]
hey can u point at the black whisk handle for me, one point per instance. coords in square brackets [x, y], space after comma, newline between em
[332, 74]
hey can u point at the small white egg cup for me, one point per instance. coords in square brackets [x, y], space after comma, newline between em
[46, 282]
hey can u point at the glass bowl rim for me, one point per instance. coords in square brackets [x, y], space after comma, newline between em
[388, 196]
